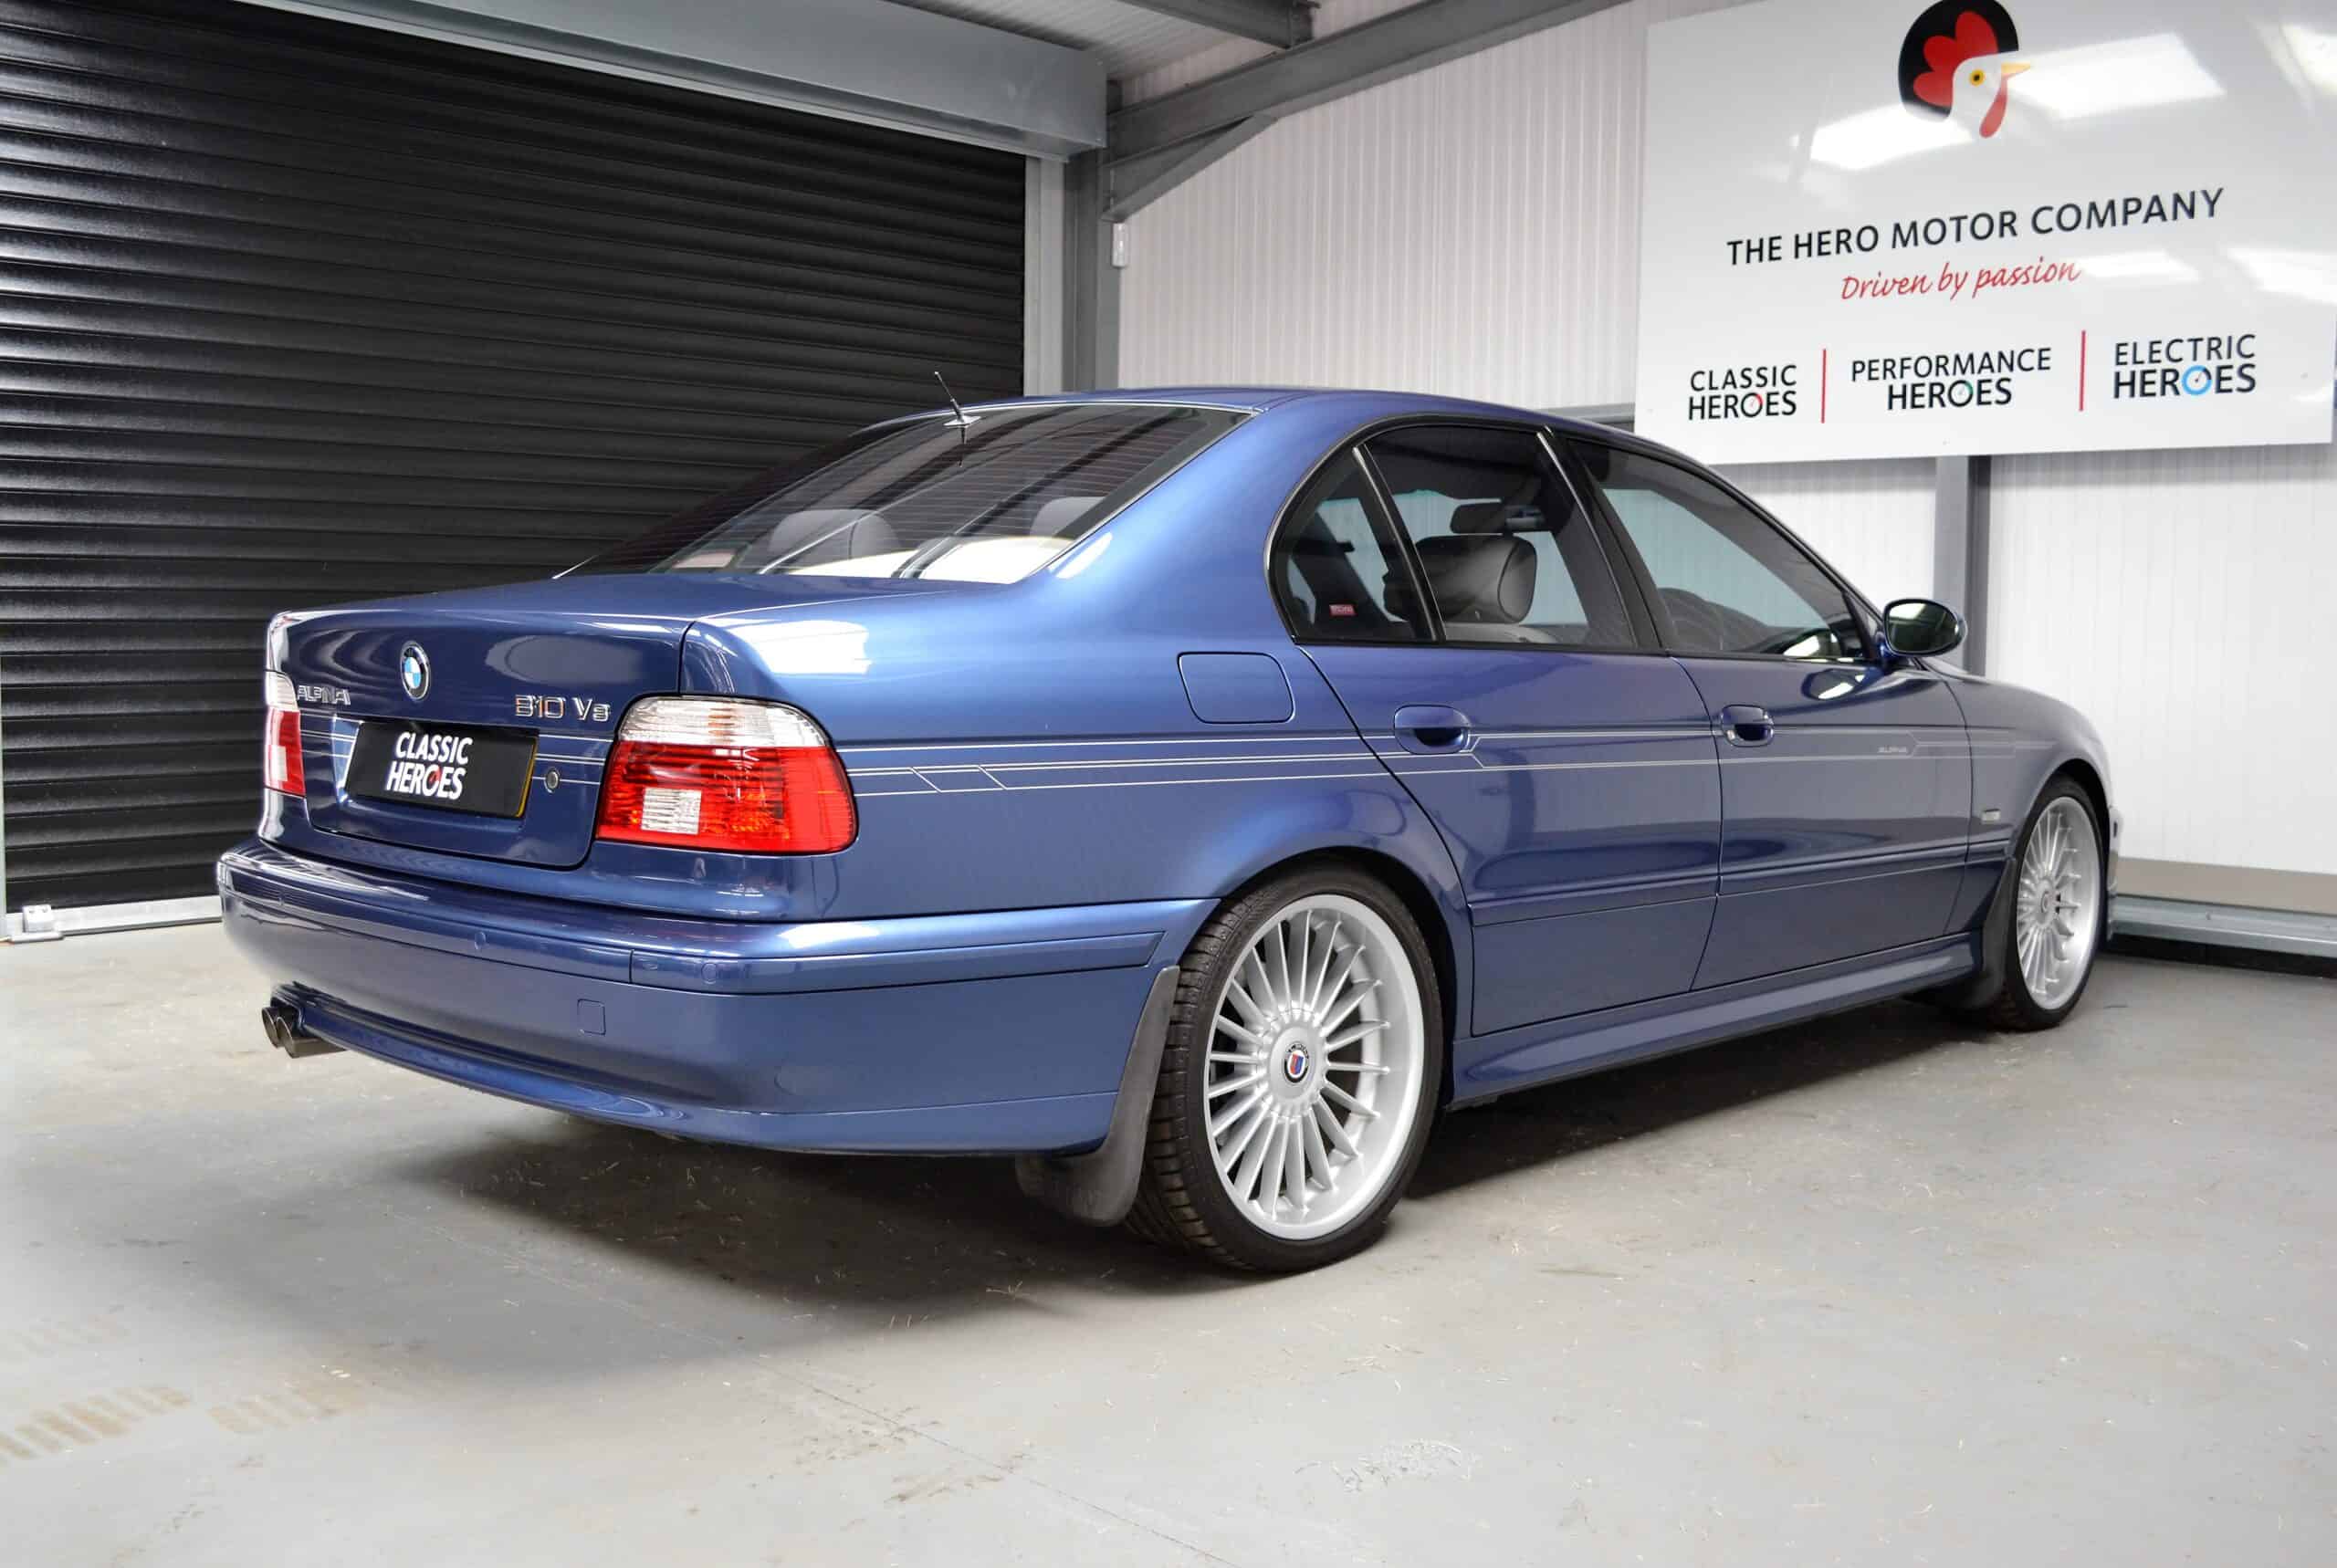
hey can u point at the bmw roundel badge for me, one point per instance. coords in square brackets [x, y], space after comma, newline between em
[414, 671]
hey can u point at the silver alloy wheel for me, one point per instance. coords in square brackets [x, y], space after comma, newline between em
[2059, 911]
[1314, 1072]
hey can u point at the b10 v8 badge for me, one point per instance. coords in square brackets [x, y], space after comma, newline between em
[543, 705]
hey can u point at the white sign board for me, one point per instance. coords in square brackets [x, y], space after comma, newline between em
[1886, 227]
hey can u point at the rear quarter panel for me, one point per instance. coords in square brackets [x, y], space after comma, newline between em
[1034, 745]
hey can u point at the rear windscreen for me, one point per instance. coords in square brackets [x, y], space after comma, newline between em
[986, 501]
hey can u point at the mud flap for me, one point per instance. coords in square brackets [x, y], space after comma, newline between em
[1099, 1187]
[1994, 942]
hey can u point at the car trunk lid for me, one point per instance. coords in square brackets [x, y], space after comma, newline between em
[520, 688]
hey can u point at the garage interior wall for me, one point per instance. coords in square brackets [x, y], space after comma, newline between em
[298, 311]
[2180, 599]
[1473, 229]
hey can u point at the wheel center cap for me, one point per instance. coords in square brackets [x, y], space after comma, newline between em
[1295, 1056]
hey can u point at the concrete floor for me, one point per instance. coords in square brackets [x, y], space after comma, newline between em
[1872, 1291]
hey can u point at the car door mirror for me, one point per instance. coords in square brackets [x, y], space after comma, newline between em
[1919, 628]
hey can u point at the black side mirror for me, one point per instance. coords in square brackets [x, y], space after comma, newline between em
[1919, 628]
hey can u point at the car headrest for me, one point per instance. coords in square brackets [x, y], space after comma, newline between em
[1496, 517]
[1480, 578]
[831, 533]
[1058, 518]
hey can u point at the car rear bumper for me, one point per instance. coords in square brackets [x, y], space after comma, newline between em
[1001, 1032]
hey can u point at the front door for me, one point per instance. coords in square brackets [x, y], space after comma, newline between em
[1489, 657]
[1846, 784]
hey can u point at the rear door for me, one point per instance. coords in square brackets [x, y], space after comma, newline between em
[1457, 597]
[1846, 784]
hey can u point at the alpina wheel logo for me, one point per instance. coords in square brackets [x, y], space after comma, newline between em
[1293, 1063]
[414, 671]
[1958, 64]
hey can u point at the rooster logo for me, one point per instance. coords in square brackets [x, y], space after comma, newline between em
[1957, 63]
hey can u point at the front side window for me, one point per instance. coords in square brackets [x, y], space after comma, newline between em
[1340, 575]
[1508, 555]
[1729, 581]
[990, 502]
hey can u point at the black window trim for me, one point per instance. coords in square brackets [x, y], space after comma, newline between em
[1381, 501]
[1862, 614]
[1349, 452]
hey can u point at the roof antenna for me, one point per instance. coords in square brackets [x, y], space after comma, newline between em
[964, 420]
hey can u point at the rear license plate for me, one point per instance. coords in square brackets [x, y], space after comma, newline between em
[445, 767]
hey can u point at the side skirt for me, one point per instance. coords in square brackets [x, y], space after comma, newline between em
[1565, 1048]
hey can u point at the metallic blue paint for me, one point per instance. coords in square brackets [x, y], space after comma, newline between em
[972, 1033]
[1235, 688]
[1582, 803]
[1058, 779]
[2020, 740]
[1845, 828]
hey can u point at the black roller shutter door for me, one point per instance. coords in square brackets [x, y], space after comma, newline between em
[298, 312]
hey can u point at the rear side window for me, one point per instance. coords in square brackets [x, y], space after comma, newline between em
[990, 501]
[1339, 573]
[1729, 581]
[1509, 555]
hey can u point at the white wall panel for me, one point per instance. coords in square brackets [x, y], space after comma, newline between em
[2178, 598]
[1871, 521]
[1472, 229]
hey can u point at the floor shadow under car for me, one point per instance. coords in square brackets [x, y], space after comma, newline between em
[1576, 1116]
[935, 1237]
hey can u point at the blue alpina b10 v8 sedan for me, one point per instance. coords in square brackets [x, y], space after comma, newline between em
[1187, 792]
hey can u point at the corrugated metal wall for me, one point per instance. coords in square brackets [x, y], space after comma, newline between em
[2182, 600]
[297, 311]
[1418, 234]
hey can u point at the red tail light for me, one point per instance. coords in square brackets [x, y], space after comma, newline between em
[279, 758]
[714, 773]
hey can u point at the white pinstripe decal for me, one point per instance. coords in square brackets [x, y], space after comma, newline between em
[1125, 784]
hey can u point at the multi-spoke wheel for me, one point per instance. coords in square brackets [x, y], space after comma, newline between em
[2057, 906]
[2060, 898]
[1299, 1077]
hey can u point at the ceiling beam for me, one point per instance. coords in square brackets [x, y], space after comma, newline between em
[1137, 182]
[1281, 22]
[1381, 51]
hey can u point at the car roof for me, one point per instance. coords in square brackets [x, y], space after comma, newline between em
[1370, 403]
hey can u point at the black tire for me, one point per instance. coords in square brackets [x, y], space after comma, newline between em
[2004, 1002]
[1180, 1202]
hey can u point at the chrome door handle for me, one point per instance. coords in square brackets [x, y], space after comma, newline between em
[1432, 729]
[1742, 724]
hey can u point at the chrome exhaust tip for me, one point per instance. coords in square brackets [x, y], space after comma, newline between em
[280, 1021]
